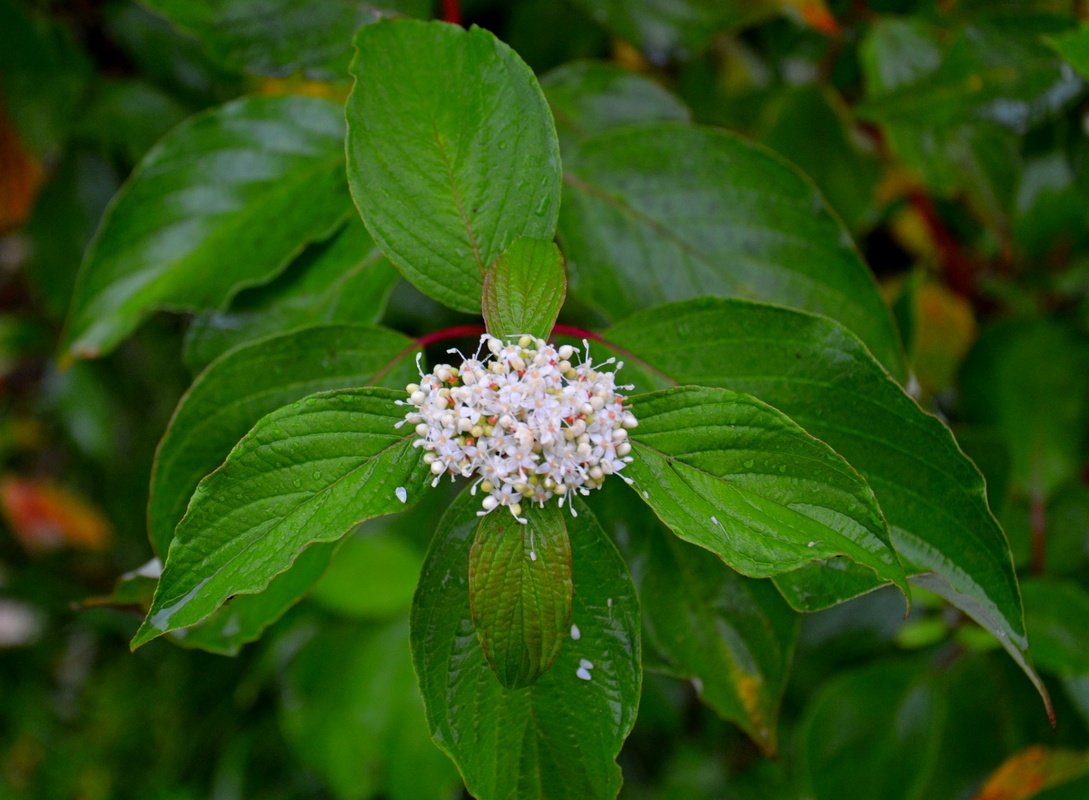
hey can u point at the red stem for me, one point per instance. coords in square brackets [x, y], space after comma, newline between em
[451, 11]
[957, 267]
[461, 331]
[1038, 522]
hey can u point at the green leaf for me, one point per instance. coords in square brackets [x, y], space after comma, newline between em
[560, 736]
[524, 290]
[281, 37]
[343, 280]
[520, 592]
[810, 126]
[733, 637]
[1029, 379]
[304, 474]
[820, 375]
[1073, 46]
[245, 618]
[445, 179]
[727, 472]
[246, 384]
[590, 97]
[875, 732]
[988, 74]
[351, 711]
[663, 212]
[664, 29]
[213, 207]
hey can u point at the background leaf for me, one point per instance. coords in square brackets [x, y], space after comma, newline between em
[822, 377]
[211, 209]
[590, 97]
[664, 212]
[524, 290]
[306, 473]
[733, 475]
[343, 280]
[246, 384]
[282, 37]
[560, 736]
[731, 636]
[520, 592]
[351, 710]
[447, 178]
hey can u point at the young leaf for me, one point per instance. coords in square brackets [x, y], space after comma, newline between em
[589, 97]
[520, 592]
[560, 736]
[343, 280]
[281, 37]
[446, 177]
[524, 289]
[732, 636]
[213, 208]
[733, 475]
[306, 473]
[821, 376]
[241, 387]
[665, 211]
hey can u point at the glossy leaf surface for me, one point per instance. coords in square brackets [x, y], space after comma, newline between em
[342, 280]
[520, 592]
[727, 472]
[211, 209]
[282, 37]
[822, 377]
[664, 212]
[560, 736]
[524, 290]
[307, 473]
[246, 384]
[589, 97]
[452, 153]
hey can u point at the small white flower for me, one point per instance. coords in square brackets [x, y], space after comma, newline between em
[525, 421]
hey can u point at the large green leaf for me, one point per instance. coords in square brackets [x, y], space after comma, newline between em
[520, 592]
[282, 37]
[589, 97]
[663, 212]
[213, 208]
[244, 618]
[559, 737]
[820, 375]
[345, 279]
[524, 290]
[256, 379]
[351, 711]
[452, 153]
[306, 473]
[675, 28]
[732, 636]
[727, 472]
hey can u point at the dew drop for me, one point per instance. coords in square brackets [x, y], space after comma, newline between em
[576, 634]
[402, 494]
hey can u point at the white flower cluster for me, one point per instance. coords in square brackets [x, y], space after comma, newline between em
[525, 421]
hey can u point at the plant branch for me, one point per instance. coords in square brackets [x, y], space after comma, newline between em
[451, 11]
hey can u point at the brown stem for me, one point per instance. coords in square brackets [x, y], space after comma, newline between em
[1038, 522]
[451, 11]
[958, 269]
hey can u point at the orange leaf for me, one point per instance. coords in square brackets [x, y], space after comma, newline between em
[45, 517]
[1032, 770]
[20, 177]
